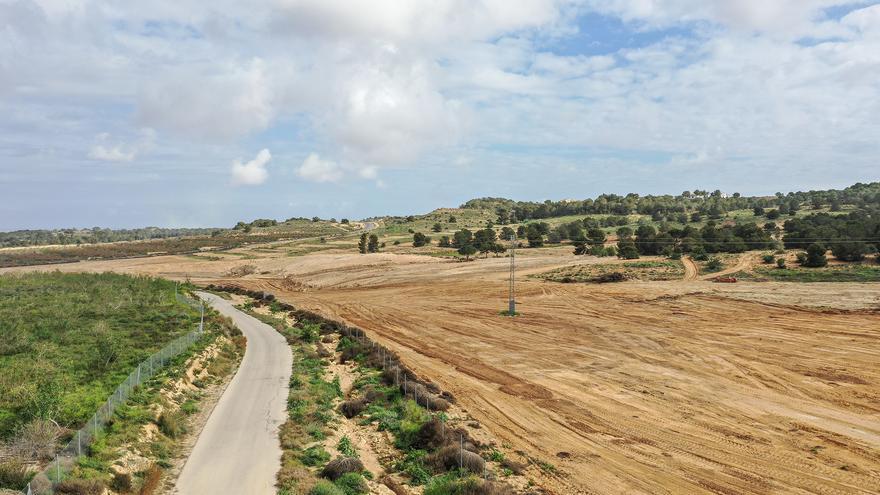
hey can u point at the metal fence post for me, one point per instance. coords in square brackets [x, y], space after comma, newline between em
[79, 443]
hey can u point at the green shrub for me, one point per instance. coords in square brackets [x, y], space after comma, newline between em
[452, 484]
[413, 465]
[768, 259]
[324, 487]
[314, 456]
[346, 448]
[352, 484]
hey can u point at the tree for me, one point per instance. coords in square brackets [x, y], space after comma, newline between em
[780, 263]
[507, 233]
[534, 235]
[419, 239]
[373, 244]
[847, 250]
[484, 240]
[597, 237]
[444, 241]
[437, 227]
[462, 238]
[498, 249]
[316, 219]
[580, 248]
[362, 243]
[773, 214]
[816, 256]
[521, 231]
[758, 211]
[696, 217]
[626, 249]
[467, 251]
[452, 219]
[344, 221]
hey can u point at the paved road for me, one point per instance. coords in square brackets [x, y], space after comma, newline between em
[238, 451]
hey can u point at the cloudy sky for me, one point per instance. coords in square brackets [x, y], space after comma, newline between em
[179, 113]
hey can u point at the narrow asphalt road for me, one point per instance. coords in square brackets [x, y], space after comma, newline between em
[238, 451]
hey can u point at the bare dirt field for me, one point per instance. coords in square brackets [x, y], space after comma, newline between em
[637, 387]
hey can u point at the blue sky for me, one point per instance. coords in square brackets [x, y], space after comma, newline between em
[124, 115]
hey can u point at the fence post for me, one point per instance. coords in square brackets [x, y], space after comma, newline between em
[57, 470]
[79, 443]
[461, 451]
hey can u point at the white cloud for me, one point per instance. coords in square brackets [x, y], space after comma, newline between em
[104, 150]
[252, 173]
[213, 101]
[315, 169]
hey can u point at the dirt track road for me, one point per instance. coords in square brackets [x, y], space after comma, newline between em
[238, 451]
[690, 268]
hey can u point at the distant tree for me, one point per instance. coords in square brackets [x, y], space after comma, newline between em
[534, 235]
[773, 214]
[596, 237]
[396, 242]
[410, 218]
[507, 233]
[624, 232]
[467, 251]
[248, 229]
[835, 205]
[373, 244]
[554, 238]
[503, 215]
[463, 237]
[696, 217]
[816, 256]
[484, 241]
[444, 241]
[580, 248]
[437, 227]
[239, 226]
[452, 219]
[758, 211]
[420, 239]
[521, 231]
[848, 250]
[316, 219]
[344, 221]
[626, 249]
[362, 243]
[499, 249]
[714, 264]
[332, 220]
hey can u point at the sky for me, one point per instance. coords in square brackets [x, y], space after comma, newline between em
[179, 113]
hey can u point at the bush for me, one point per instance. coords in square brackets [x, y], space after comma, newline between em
[352, 484]
[769, 258]
[714, 264]
[413, 465]
[171, 424]
[314, 456]
[79, 487]
[780, 263]
[341, 466]
[801, 258]
[13, 474]
[346, 448]
[121, 482]
[816, 256]
[353, 407]
[326, 488]
[36, 440]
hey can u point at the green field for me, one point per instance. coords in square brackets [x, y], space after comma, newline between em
[67, 340]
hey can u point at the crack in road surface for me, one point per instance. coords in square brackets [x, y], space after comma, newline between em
[238, 451]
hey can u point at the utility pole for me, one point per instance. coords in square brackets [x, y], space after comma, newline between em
[511, 307]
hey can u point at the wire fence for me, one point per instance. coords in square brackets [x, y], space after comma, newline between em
[65, 460]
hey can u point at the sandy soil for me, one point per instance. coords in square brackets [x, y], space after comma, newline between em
[650, 387]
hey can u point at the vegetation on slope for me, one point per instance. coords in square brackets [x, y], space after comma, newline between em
[67, 340]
